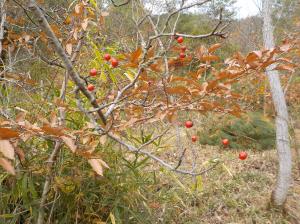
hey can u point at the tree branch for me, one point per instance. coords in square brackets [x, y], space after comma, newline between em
[60, 51]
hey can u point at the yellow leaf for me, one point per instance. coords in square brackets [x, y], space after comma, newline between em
[112, 218]
[129, 76]
[227, 169]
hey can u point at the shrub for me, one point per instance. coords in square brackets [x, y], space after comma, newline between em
[249, 131]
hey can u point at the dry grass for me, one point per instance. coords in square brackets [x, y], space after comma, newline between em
[236, 192]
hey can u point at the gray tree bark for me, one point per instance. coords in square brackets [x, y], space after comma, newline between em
[284, 177]
[2, 21]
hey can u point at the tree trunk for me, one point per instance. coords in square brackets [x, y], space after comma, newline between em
[2, 23]
[280, 192]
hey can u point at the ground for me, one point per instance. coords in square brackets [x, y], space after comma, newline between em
[236, 192]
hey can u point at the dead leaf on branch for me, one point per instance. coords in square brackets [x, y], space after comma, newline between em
[57, 131]
[7, 166]
[84, 24]
[210, 58]
[7, 149]
[20, 117]
[180, 90]
[214, 47]
[69, 142]
[286, 67]
[97, 165]
[69, 48]
[7, 133]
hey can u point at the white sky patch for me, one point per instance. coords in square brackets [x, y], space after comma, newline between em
[245, 8]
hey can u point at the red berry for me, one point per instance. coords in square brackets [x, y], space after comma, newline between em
[179, 40]
[114, 62]
[150, 83]
[183, 48]
[188, 124]
[90, 87]
[182, 55]
[107, 57]
[225, 142]
[243, 155]
[93, 72]
[194, 138]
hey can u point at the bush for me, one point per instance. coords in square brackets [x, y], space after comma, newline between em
[249, 131]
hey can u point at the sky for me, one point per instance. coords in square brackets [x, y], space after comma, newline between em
[246, 8]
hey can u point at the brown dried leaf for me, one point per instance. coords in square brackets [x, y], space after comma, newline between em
[103, 139]
[53, 119]
[211, 85]
[52, 131]
[285, 47]
[135, 55]
[84, 24]
[7, 149]
[69, 48]
[104, 13]
[214, 47]
[210, 58]
[7, 166]
[252, 57]
[78, 8]
[97, 166]
[20, 154]
[92, 146]
[69, 142]
[7, 133]
[20, 117]
[287, 67]
[181, 90]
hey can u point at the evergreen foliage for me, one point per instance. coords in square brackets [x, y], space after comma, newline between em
[249, 131]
